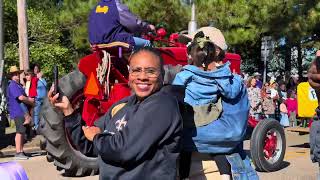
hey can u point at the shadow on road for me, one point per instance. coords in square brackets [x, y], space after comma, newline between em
[304, 145]
[284, 164]
[7, 140]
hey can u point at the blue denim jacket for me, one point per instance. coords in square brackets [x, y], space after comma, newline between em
[225, 133]
[203, 87]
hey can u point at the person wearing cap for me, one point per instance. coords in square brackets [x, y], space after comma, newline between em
[16, 95]
[209, 83]
[259, 83]
[268, 107]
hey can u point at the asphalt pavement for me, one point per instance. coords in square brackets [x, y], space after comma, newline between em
[297, 164]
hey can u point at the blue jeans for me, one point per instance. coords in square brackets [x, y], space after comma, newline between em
[241, 169]
[36, 112]
[140, 43]
[24, 108]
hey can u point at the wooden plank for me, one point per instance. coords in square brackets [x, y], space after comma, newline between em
[298, 129]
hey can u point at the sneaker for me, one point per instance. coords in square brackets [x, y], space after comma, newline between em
[20, 156]
[26, 154]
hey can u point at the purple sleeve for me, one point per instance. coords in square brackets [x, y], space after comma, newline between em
[129, 20]
[16, 91]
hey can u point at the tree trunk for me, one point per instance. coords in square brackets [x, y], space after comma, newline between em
[300, 70]
[23, 34]
[287, 60]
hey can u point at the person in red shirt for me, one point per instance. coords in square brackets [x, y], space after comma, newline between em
[292, 106]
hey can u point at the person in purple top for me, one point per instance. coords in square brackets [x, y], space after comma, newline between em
[111, 21]
[16, 95]
[257, 76]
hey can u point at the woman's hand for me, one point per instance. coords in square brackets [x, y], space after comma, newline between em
[90, 132]
[64, 104]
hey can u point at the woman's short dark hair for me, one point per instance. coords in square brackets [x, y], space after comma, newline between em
[34, 65]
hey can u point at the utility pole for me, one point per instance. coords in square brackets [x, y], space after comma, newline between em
[23, 34]
[267, 46]
[1, 43]
[193, 23]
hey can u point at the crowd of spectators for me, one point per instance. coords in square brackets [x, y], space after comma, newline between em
[25, 97]
[275, 98]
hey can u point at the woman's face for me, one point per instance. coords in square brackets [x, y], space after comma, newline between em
[36, 70]
[28, 77]
[283, 87]
[144, 74]
[253, 82]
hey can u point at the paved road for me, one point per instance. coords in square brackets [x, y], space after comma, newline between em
[297, 164]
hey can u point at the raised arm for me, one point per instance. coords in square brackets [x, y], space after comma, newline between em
[131, 21]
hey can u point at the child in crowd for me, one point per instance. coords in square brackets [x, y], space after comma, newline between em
[31, 91]
[292, 106]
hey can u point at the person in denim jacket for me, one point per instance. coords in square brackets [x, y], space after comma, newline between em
[225, 134]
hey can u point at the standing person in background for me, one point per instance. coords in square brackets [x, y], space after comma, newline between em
[267, 102]
[16, 95]
[254, 95]
[292, 106]
[275, 96]
[41, 93]
[314, 80]
[259, 83]
[293, 83]
[282, 91]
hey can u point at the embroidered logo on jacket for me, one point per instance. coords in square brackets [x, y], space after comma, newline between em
[121, 123]
[103, 9]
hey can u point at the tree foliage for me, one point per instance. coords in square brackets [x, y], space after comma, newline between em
[57, 29]
[170, 14]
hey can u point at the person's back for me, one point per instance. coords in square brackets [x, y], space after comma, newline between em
[206, 81]
[112, 21]
[104, 24]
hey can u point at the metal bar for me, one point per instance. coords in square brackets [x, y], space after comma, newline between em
[1, 43]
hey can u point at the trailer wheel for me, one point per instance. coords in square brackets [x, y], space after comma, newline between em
[60, 151]
[268, 145]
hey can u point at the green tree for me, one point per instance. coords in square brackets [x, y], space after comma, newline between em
[170, 14]
[45, 39]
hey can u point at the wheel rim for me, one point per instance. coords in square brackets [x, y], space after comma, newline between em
[272, 146]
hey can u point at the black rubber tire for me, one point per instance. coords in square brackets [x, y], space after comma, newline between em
[60, 151]
[257, 145]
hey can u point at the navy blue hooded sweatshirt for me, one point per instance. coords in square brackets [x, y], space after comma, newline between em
[141, 141]
[110, 21]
